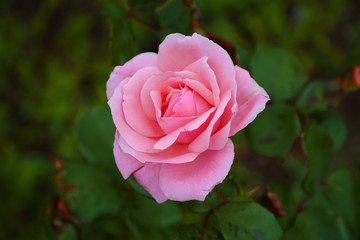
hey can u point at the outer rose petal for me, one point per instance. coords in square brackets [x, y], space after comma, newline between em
[178, 51]
[133, 138]
[251, 99]
[125, 162]
[194, 180]
[148, 177]
[130, 68]
[245, 84]
[132, 107]
[177, 153]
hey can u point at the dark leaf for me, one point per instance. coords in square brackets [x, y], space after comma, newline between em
[174, 16]
[317, 222]
[277, 71]
[95, 132]
[90, 190]
[318, 146]
[313, 99]
[342, 193]
[335, 126]
[89, 202]
[274, 130]
[113, 10]
[244, 219]
[69, 233]
[149, 212]
[189, 232]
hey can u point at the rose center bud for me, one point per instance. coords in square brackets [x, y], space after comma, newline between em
[182, 101]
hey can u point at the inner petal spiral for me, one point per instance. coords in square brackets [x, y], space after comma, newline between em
[183, 102]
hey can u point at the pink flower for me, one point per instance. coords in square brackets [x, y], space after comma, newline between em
[174, 112]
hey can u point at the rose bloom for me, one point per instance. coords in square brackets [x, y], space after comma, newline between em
[174, 112]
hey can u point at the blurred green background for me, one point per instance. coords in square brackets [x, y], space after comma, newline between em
[55, 59]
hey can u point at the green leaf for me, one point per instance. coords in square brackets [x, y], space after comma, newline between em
[149, 212]
[228, 188]
[335, 126]
[312, 99]
[274, 131]
[278, 72]
[113, 10]
[319, 218]
[95, 132]
[82, 173]
[145, 217]
[147, 12]
[174, 15]
[123, 46]
[342, 193]
[189, 232]
[69, 233]
[317, 224]
[90, 190]
[290, 190]
[244, 219]
[318, 146]
[89, 202]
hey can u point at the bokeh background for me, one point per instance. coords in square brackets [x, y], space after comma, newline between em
[55, 59]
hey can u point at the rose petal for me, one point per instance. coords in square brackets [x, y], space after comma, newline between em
[245, 84]
[178, 51]
[201, 105]
[173, 100]
[132, 108]
[248, 112]
[199, 88]
[170, 124]
[202, 142]
[177, 153]
[218, 139]
[251, 99]
[125, 162]
[133, 138]
[129, 69]
[191, 125]
[208, 78]
[188, 104]
[170, 138]
[194, 180]
[158, 83]
[185, 106]
[148, 177]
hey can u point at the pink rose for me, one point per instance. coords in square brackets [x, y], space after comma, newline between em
[174, 112]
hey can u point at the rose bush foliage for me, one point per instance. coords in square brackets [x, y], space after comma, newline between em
[174, 113]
